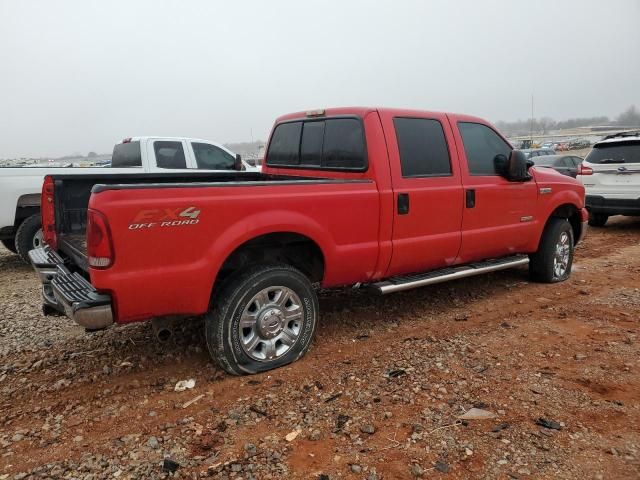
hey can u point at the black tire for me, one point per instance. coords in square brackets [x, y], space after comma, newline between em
[9, 244]
[26, 236]
[542, 264]
[237, 296]
[598, 219]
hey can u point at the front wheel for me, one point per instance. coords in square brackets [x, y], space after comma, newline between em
[265, 317]
[554, 258]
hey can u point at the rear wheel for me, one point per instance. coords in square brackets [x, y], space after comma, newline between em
[29, 236]
[9, 244]
[554, 258]
[598, 219]
[265, 317]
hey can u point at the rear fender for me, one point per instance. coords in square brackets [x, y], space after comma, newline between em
[261, 223]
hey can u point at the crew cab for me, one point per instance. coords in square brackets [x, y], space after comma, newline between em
[611, 176]
[20, 186]
[388, 199]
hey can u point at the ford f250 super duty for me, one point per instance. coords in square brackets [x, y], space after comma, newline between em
[386, 198]
[20, 186]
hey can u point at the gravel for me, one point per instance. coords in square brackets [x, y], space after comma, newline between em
[379, 396]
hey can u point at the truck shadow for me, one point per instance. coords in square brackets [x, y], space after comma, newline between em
[10, 261]
[346, 312]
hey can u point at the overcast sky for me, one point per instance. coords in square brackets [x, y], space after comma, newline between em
[80, 75]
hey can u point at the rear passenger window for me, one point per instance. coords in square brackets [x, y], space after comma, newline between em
[423, 147]
[332, 144]
[481, 145]
[169, 154]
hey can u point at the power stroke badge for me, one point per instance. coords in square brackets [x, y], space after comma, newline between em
[165, 217]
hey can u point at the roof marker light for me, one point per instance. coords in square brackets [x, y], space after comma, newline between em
[316, 113]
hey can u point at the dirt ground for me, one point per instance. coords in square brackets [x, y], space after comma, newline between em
[377, 397]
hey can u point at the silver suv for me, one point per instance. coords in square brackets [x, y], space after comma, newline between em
[611, 176]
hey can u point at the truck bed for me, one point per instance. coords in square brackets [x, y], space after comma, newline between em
[75, 246]
[72, 193]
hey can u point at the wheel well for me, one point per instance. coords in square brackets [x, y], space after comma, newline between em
[26, 206]
[572, 214]
[22, 213]
[283, 247]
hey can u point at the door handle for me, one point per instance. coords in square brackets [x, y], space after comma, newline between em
[403, 203]
[470, 198]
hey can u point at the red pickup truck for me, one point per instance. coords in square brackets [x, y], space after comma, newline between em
[387, 198]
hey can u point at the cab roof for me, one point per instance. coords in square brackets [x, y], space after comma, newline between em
[363, 111]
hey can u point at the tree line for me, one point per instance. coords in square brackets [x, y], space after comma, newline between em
[629, 118]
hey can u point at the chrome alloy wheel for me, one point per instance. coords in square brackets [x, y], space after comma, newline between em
[562, 255]
[38, 239]
[271, 323]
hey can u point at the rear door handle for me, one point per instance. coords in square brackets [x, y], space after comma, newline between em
[470, 198]
[403, 203]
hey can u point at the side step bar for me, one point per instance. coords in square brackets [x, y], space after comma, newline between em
[397, 284]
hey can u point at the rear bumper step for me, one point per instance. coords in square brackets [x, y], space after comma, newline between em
[46, 262]
[397, 284]
[69, 292]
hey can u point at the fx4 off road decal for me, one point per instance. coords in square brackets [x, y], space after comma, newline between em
[165, 217]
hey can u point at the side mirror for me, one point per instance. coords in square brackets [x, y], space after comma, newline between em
[239, 166]
[518, 167]
[500, 163]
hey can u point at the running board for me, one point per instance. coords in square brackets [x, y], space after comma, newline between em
[397, 284]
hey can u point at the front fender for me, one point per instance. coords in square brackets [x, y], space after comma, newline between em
[555, 191]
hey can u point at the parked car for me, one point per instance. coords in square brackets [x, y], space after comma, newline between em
[547, 145]
[565, 164]
[538, 152]
[20, 187]
[611, 176]
[579, 144]
[393, 199]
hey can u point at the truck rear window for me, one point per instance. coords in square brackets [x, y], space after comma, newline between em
[619, 152]
[330, 144]
[126, 155]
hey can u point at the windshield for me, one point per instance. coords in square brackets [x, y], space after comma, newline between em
[619, 152]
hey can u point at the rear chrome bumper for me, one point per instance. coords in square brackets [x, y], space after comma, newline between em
[70, 293]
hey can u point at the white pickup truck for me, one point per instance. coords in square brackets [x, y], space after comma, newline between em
[20, 187]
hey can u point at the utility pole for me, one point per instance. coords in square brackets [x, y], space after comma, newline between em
[531, 123]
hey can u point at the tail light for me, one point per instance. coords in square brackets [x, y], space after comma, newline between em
[99, 248]
[585, 170]
[47, 212]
